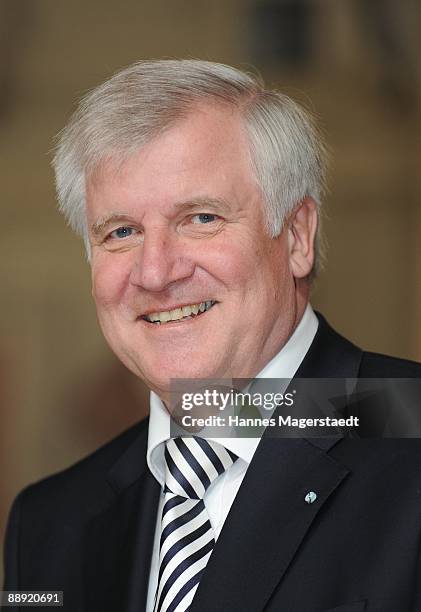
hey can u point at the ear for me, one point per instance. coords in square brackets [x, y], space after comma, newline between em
[302, 226]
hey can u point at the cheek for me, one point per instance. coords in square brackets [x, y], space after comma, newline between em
[108, 284]
[235, 269]
[236, 259]
[257, 266]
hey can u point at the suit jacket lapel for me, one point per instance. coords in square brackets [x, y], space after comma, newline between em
[266, 524]
[270, 518]
[119, 539]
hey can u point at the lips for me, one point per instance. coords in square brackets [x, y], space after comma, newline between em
[179, 314]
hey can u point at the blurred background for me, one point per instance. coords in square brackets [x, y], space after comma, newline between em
[354, 63]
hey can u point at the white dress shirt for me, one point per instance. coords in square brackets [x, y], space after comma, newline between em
[221, 493]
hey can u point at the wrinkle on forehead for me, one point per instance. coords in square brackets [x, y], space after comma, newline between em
[112, 162]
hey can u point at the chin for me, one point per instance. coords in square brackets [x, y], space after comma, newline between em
[161, 367]
[163, 383]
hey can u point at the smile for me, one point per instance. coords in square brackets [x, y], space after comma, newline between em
[179, 314]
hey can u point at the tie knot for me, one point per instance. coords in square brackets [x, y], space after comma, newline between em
[192, 464]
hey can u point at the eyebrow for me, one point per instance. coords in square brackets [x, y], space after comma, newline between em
[193, 203]
[214, 204]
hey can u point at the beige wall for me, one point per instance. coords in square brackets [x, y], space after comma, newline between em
[63, 393]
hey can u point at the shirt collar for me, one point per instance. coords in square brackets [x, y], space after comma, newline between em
[283, 365]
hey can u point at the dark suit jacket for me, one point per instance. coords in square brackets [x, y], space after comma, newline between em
[89, 530]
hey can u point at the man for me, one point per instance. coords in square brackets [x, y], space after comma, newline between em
[197, 193]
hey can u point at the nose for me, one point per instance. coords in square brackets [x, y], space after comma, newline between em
[163, 259]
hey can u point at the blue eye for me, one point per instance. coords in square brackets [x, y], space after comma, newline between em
[122, 232]
[204, 218]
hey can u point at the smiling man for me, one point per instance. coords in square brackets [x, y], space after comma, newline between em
[180, 225]
[197, 193]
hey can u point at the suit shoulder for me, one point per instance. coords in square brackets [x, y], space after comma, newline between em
[84, 479]
[375, 365]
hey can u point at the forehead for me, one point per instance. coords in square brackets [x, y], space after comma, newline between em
[206, 154]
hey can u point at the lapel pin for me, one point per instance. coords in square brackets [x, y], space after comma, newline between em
[310, 497]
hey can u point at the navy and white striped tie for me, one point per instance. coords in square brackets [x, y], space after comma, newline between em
[187, 540]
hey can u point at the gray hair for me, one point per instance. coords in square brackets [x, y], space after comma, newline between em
[135, 105]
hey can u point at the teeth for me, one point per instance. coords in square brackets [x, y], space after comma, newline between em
[178, 313]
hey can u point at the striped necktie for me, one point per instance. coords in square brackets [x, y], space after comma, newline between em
[187, 540]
